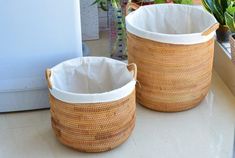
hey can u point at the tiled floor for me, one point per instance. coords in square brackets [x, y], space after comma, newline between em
[204, 132]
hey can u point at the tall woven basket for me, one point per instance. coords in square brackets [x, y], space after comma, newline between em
[93, 127]
[173, 77]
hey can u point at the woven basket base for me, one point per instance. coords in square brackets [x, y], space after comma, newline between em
[170, 107]
[92, 148]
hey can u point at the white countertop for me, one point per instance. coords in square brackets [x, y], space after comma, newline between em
[206, 131]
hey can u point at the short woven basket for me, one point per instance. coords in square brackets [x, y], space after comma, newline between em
[93, 127]
[172, 77]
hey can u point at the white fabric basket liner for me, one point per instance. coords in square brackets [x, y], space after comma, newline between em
[171, 23]
[91, 80]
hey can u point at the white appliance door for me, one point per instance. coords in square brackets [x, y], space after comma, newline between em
[34, 35]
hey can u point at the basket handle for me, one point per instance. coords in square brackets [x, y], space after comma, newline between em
[133, 67]
[48, 75]
[132, 6]
[214, 27]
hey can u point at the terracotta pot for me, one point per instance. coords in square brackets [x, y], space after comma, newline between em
[222, 34]
[232, 43]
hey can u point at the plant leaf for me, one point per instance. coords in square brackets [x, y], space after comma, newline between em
[229, 21]
[96, 1]
[230, 10]
[187, 2]
[218, 12]
[159, 1]
[103, 6]
[183, 1]
[209, 4]
[224, 5]
[233, 23]
[206, 5]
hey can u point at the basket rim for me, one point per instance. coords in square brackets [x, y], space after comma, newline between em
[112, 95]
[185, 38]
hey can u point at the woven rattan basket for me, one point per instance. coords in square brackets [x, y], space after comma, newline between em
[93, 127]
[173, 77]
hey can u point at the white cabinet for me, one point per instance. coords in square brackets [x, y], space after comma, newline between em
[34, 35]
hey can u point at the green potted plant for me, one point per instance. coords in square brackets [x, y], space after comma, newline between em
[230, 22]
[218, 9]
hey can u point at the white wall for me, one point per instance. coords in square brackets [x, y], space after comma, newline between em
[89, 20]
